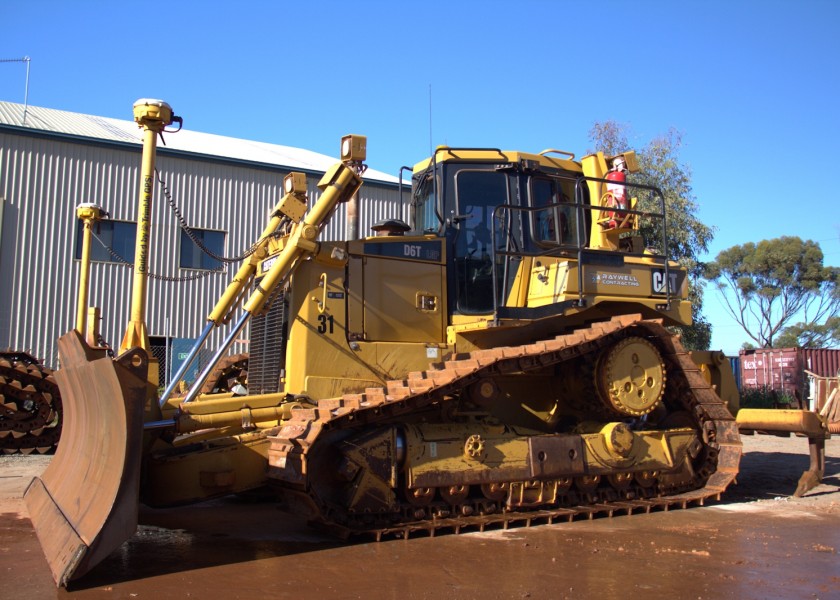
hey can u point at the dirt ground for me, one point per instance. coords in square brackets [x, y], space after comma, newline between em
[758, 542]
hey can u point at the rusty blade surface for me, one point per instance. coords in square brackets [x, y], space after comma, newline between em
[85, 503]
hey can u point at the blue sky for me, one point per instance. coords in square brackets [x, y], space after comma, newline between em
[752, 86]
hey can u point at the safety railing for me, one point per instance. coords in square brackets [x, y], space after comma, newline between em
[584, 214]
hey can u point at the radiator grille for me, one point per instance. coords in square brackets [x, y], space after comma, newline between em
[267, 350]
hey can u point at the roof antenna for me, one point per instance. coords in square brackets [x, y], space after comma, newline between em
[431, 148]
[26, 60]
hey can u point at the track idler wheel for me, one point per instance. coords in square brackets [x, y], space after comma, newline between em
[495, 491]
[631, 377]
[587, 484]
[420, 496]
[620, 481]
[454, 494]
[646, 479]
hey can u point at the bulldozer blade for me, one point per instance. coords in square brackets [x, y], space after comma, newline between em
[85, 504]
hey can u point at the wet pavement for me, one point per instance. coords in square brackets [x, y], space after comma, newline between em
[739, 548]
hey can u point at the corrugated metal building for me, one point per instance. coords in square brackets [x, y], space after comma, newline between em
[223, 186]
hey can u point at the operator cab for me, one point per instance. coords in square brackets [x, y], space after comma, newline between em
[529, 236]
[493, 208]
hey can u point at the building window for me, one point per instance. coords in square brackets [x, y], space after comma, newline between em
[119, 236]
[193, 257]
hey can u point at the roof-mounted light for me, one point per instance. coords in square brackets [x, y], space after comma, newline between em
[294, 183]
[353, 148]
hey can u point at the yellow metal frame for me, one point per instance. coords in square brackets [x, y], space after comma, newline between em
[152, 116]
[292, 206]
[89, 214]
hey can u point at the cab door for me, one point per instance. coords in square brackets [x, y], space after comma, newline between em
[477, 195]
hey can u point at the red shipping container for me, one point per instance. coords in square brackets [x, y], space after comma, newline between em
[783, 370]
[821, 361]
[779, 369]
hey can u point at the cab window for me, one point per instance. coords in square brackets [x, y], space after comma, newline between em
[554, 224]
[478, 193]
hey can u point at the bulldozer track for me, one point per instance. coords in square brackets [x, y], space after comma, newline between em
[715, 468]
[30, 405]
[230, 371]
[224, 376]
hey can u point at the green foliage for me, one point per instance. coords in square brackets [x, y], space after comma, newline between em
[766, 398]
[811, 335]
[766, 286]
[688, 237]
[699, 335]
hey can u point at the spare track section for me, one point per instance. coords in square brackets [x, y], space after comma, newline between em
[30, 405]
[292, 443]
[230, 371]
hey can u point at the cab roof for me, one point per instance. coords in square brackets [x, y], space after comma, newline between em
[551, 158]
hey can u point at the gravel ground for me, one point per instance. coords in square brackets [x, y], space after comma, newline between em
[770, 469]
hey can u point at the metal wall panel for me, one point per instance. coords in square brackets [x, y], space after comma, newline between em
[43, 179]
[824, 362]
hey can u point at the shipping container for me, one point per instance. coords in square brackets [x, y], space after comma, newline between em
[735, 363]
[822, 362]
[779, 369]
[788, 370]
[823, 368]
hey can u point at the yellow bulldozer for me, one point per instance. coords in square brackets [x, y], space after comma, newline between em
[503, 358]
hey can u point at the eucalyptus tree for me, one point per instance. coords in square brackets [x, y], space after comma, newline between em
[779, 291]
[688, 237]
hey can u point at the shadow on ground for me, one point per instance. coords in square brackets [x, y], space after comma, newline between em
[769, 475]
[212, 534]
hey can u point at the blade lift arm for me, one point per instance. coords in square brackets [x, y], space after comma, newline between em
[337, 185]
[291, 207]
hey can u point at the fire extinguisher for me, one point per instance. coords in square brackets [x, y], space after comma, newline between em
[616, 191]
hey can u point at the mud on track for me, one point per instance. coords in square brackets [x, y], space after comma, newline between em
[757, 543]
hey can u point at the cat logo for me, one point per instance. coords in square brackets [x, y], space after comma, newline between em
[662, 283]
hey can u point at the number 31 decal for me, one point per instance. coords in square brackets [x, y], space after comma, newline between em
[325, 324]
